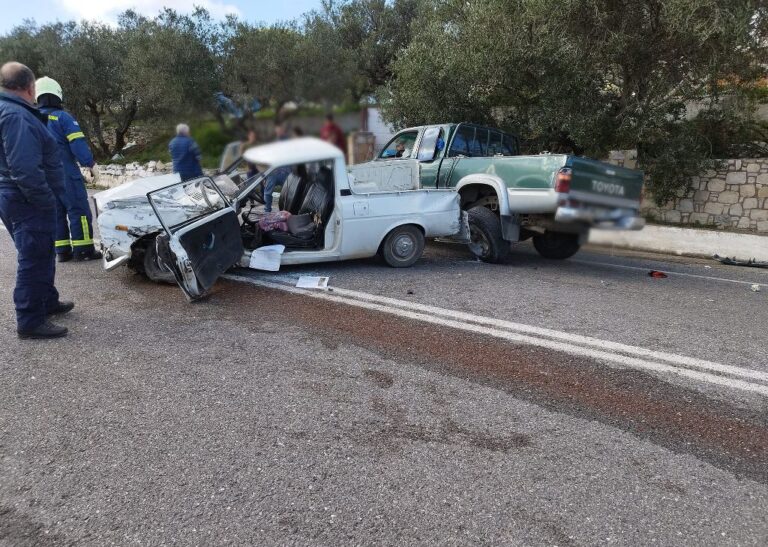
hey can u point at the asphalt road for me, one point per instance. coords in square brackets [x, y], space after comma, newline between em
[261, 416]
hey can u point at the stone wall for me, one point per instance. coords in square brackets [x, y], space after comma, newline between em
[113, 174]
[733, 196]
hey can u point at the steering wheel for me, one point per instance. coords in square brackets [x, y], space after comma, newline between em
[204, 190]
[257, 194]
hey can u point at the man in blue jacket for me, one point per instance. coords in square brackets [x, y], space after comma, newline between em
[185, 154]
[74, 230]
[31, 175]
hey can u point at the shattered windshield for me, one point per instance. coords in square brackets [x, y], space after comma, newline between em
[185, 202]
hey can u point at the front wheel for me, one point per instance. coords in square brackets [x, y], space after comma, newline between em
[485, 239]
[151, 267]
[556, 245]
[403, 246]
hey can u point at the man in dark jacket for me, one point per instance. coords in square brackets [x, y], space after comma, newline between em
[74, 232]
[185, 154]
[31, 175]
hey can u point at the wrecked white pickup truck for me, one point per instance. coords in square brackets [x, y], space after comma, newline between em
[193, 231]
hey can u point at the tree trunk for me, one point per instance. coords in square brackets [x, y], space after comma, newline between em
[122, 128]
[103, 147]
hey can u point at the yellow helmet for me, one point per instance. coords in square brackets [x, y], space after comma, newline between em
[48, 85]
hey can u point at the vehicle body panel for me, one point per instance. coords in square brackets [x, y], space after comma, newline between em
[602, 179]
[198, 243]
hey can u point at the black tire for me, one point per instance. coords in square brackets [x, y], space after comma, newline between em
[151, 268]
[486, 241]
[556, 245]
[403, 246]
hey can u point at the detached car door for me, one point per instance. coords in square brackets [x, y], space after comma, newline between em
[202, 233]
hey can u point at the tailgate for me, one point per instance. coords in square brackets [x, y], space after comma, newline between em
[598, 182]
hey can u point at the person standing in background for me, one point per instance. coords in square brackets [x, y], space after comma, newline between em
[74, 229]
[332, 133]
[185, 154]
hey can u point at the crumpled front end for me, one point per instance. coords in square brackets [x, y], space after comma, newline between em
[121, 224]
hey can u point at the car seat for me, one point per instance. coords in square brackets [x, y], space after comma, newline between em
[307, 228]
[292, 193]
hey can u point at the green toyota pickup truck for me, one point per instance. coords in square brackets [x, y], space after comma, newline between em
[553, 198]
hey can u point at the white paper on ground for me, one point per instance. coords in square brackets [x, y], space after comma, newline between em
[267, 258]
[310, 282]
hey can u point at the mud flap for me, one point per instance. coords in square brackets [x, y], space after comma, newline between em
[510, 228]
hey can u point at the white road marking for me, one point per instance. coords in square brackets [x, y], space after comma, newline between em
[621, 354]
[578, 339]
[711, 278]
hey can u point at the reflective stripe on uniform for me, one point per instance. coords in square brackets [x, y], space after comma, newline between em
[77, 135]
[53, 118]
[87, 239]
[63, 242]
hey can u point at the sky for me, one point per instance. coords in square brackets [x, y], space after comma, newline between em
[13, 12]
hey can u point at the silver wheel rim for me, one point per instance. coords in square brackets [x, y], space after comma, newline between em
[403, 246]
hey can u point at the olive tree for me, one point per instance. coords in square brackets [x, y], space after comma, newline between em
[372, 33]
[142, 69]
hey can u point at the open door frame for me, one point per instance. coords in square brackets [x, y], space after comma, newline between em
[202, 248]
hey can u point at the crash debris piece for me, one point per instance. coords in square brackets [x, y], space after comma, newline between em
[267, 258]
[312, 282]
[657, 274]
[755, 287]
[752, 263]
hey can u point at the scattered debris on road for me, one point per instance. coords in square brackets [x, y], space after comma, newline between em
[312, 282]
[657, 274]
[267, 258]
[755, 287]
[752, 263]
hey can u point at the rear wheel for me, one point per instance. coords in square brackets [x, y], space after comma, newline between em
[485, 239]
[403, 246]
[556, 245]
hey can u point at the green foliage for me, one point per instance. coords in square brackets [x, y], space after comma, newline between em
[212, 140]
[371, 33]
[143, 68]
[285, 62]
[209, 135]
[671, 162]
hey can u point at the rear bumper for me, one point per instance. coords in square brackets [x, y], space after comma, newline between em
[604, 219]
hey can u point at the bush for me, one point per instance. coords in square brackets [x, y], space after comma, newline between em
[211, 140]
[678, 153]
[208, 135]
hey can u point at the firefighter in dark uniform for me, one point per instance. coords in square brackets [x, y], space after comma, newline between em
[31, 176]
[74, 233]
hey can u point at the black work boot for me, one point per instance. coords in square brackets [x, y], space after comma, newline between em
[62, 307]
[46, 330]
[64, 257]
[90, 255]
